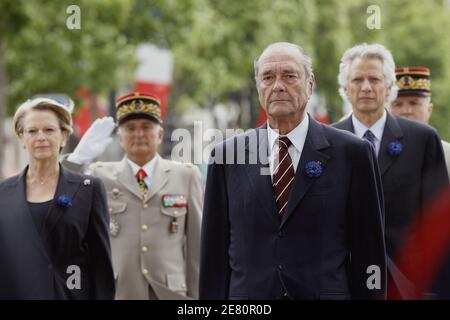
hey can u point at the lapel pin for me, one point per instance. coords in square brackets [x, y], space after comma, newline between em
[64, 201]
[395, 148]
[87, 182]
[313, 169]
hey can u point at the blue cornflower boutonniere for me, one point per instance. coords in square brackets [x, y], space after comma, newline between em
[313, 169]
[64, 201]
[395, 148]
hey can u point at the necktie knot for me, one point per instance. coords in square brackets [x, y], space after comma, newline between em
[368, 135]
[284, 142]
[141, 174]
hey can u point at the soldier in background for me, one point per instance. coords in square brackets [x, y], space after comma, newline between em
[154, 204]
[414, 99]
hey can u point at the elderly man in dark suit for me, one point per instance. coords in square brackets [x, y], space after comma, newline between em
[293, 209]
[410, 155]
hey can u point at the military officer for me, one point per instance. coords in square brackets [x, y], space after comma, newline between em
[414, 99]
[154, 204]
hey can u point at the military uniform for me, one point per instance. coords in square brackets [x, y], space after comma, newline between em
[155, 233]
[415, 81]
[155, 239]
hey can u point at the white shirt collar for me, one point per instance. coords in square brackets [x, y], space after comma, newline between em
[296, 135]
[377, 128]
[148, 167]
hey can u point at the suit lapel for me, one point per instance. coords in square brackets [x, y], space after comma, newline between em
[159, 177]
[127, 179]
[347, 124]
[391, 132]
[68, 184]
[29, 227]
[315, 141]
[259, 173]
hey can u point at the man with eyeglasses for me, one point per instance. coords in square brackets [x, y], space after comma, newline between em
[154, 204]
[297, 212]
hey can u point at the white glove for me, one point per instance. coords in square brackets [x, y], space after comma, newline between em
[94, 141]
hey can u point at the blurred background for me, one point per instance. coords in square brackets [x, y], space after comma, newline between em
[197, 55]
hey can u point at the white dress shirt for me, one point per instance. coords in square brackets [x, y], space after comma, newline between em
[148, 168]
[297, 137]
[377, 129]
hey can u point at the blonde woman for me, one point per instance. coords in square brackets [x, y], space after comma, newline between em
[53, 222]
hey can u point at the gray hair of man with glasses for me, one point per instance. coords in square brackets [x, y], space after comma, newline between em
[304, 58]
[368, 51]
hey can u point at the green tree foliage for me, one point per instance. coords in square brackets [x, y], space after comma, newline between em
[214, 43]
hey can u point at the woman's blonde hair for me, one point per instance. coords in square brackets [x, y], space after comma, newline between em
[62, 113]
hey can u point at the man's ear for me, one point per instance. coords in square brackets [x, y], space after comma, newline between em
[119, 135]
[430, 108]
[161, 134]
[388, 90]
[311, 84]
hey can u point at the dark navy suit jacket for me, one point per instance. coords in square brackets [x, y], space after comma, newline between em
[33, 264]
[410, 180]
[329, 235]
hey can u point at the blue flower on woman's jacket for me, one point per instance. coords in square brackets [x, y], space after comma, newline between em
[395, 148]
[64, 201]
[313, 169]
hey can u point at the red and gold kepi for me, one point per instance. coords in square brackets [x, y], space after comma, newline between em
[413, 81]
[138, 105]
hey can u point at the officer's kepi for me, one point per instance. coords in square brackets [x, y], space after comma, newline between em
[138, 105]
[413, 81]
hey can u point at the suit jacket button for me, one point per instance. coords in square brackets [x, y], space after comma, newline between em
[280, 267]
[144, 271]
[144, 248]
[144, 227]
[145, 206]
[280, 234]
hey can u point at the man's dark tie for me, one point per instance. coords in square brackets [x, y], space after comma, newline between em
[283, 175]
[140, 175]
[369, 136]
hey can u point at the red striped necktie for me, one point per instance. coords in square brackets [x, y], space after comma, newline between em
[283, 175]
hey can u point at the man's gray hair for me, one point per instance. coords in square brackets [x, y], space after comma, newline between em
[368, 51]
[305, 59]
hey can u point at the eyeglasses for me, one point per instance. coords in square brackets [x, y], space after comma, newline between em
[34, 132]
[287, 78]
